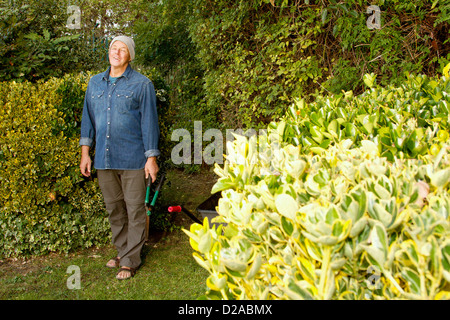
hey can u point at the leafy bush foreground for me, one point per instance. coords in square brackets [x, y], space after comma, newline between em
[343, 198]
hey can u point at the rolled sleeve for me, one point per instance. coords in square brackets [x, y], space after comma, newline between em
[86, 142]
[152, 153]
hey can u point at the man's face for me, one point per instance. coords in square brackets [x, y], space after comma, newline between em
[118, 54]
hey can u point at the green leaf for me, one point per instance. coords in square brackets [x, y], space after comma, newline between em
[440, 178]
[286, 206]
[223, 184]
[307, 269]
[378, 249]
[216, 282]
[338, 264]
[46, 34]
[358, 227]
[369, 79]
[333, 128]
[287, 226]
[234, 265]
[331, 216]
[296, 292]
[379, 238]
[412, 279]
[316, 134]
[324, 15]
[256, 265]
[204, 264]
[205, 243]
[328, 240]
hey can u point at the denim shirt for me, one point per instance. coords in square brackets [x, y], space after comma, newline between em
[121, 119]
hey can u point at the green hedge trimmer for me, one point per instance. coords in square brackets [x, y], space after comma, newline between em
[151, 205]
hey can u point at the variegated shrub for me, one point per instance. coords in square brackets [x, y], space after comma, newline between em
[342, 223]
[45, 205]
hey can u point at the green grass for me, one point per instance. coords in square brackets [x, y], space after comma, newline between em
[168, 271]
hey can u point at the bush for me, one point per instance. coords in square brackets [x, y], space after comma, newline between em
[45, 204]
[339, 222]
[404, 121]
[257, 55]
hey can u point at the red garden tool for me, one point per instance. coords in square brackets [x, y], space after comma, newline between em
[184, 210]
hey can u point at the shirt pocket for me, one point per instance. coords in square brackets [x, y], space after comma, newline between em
[97, 99]
[125, 100]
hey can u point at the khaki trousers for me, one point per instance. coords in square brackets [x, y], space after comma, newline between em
[124, 195]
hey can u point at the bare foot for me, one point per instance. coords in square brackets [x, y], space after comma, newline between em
[125, 273]
[113, 262]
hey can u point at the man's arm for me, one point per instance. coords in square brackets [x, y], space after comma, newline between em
[87, 136]
[150, 130]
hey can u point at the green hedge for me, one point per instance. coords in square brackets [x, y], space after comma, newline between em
[45, 204]
[354, 217]
[259, 54]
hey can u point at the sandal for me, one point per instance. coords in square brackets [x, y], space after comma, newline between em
[113, 262]
[131, 272]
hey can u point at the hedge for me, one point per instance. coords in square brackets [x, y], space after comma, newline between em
[257, 55]
[45, 204]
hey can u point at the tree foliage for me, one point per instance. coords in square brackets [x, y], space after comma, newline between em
[39, 39]
[163, 42]
[258, 55]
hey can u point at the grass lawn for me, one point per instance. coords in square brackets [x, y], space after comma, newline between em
[168, 271]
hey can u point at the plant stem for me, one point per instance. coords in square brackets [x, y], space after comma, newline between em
[324, 272]
[423, 287]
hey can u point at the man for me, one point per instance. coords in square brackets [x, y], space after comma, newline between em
[120, 118]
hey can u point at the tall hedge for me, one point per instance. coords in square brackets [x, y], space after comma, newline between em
[45, 204]
[259, 54]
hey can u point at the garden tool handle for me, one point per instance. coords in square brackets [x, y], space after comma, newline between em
[174, 209]
[147, 194]
[158, 188]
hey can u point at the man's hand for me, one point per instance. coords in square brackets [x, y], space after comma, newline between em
[151, 168]
[85, 163]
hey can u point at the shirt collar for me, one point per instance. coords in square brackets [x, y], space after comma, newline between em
[126, 73]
